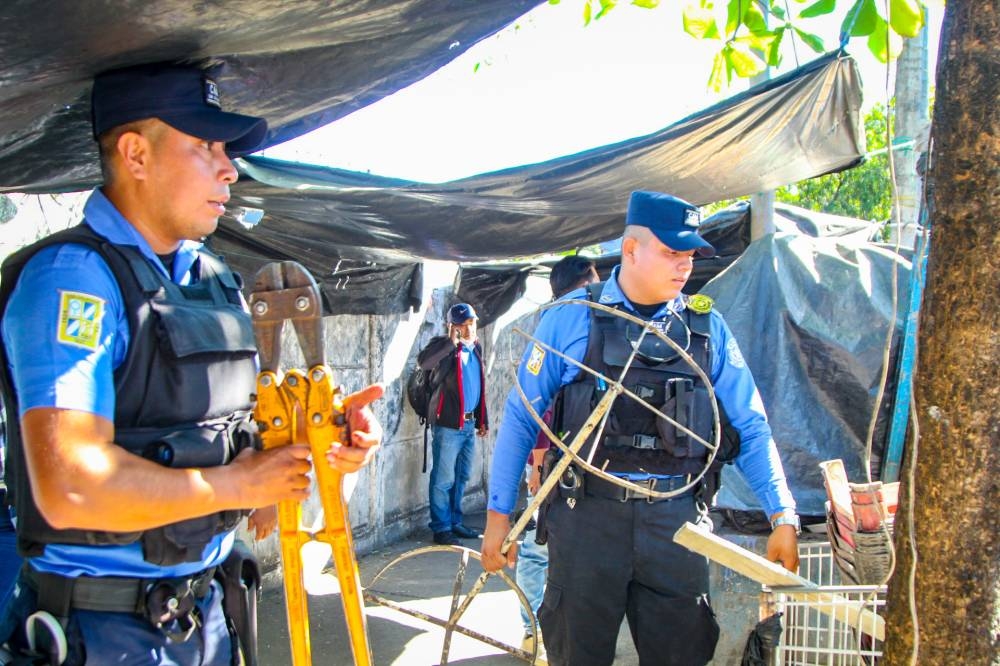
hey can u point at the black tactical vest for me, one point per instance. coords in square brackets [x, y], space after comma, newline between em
[182, 394]
[634, 439]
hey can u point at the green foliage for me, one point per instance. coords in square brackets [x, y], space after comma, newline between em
[864, 192]
[747, 54]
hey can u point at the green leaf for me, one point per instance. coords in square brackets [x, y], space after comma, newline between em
[905, 17]
[734, 16]
[476, 68]
[718, 70]
[646, 4]
[818, 9]
[769, 45]
[777, 11]
[606, 6]
[773, 52]
[553, 2]
[884, 44]
[744, 61]
[815, 42]
[861, 19]
[586, 14]
[753, 17]
[699, 22]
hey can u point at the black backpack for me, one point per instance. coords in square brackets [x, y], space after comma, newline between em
[419, 387]
[418, 392]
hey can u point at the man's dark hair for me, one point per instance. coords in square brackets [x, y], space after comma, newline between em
[571, 272]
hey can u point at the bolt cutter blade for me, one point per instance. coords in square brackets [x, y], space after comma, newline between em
[286, 290]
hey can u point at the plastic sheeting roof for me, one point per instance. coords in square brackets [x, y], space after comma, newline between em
[797, 126]
[299, 64]
[305, 64]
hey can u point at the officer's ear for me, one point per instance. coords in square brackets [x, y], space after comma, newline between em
[629, 245]
[133, 150]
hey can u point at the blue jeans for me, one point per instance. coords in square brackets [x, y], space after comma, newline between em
[532, 566]
[452, 459]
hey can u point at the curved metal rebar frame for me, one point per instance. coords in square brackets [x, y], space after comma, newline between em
[458, 604]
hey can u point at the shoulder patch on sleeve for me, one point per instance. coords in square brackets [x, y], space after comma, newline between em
[734, 355]
[700, 303]
[534, 364]
[80, 318]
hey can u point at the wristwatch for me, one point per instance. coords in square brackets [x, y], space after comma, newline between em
[787, 518]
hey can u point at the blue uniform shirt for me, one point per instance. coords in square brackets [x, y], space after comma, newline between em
[471, 379]
[66, 331]
[566, 328]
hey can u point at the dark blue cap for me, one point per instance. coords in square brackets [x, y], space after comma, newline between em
[674, 221]
[461, 313]
[183, 96]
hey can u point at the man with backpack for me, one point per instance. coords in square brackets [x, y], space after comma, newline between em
[456, 413]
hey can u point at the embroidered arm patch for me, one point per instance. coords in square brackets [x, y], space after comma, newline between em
[79, 319]
[534, 364]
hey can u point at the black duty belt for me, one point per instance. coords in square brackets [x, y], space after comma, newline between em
[598, 487]
[110, 594]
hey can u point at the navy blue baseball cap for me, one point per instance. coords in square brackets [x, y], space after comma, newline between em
[185, 97]
[674, 221]
[461, 313]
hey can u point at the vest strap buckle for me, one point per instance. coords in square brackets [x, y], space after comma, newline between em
[644, 442]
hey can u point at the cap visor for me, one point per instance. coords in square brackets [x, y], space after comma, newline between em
[684, 241]
[241, 134]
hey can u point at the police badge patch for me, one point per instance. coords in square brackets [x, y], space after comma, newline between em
[80, 319]
[534, 364]
[734, 355]
[700, 303]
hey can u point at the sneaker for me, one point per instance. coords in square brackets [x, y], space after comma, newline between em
[446, 539]
[464, 532]
[528, 642]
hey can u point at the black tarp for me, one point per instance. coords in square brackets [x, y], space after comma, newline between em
[347, 287]
[812, 317]
[299, 64]
[803, 124]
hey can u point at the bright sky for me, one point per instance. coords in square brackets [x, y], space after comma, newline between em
[545, 87]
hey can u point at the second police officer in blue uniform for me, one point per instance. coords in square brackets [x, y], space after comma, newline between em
[124, 338]
[611, 554]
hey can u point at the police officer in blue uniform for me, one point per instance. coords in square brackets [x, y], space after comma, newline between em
[128, 368]
[611, 552]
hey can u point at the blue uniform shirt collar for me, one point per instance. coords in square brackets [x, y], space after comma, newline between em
[107, 221]
[612, 294]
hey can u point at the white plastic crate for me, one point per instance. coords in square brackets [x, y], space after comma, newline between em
[812, 638]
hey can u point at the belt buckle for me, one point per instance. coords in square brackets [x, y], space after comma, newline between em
[644, 442]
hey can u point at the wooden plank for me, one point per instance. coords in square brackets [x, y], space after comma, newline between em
[769, 573]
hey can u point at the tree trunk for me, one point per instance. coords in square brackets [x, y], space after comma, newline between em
[954, 498]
